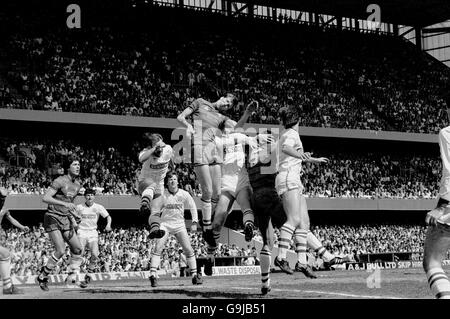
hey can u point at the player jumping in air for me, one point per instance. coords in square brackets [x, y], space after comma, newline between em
[290, 188]
[174, 201]
[60, 222]
[155, 160]
[437, 240]
[235, 187]
[5, 256]
[207, 156]
[87, 228]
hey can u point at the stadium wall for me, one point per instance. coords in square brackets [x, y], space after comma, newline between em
[164, 123]
[127, 202]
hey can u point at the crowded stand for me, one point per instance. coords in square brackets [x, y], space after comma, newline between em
[123, 249]
[107, 170]
[370, 239]
[127, 249]
[30, 166]
[157, 73]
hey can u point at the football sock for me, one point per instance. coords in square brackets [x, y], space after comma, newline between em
[284, 242]
[439, 283]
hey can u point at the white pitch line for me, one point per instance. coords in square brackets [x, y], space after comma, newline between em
[328, 293]
[172, 287]
[133, 287]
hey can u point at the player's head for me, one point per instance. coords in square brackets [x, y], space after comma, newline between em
[89, 195]
[172, 181]
[226, 102]
[289, 116]
[152, 138]
[72, 164]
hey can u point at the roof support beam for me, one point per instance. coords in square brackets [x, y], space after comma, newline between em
[238, 10]
[436, 30]
[433, 34]
[330, 20]
[418, 37]
[299, 16]
[406, 32]
[437, 48]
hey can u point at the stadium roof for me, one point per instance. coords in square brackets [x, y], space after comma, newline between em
[404, 12]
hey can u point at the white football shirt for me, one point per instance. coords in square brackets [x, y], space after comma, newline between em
[156, 168]
[233, 152]
[173, 206]
[90, 215]
[286, 162]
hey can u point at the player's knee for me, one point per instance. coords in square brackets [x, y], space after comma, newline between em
[303, 224]
[206, 194]
[268, 243]
[148, 193]
[76, 251]
[219, 218]
[294, 220]
[430, 262]
[4, 254]
[216, 225]
[59, 253]
[157, 250]
[215, 191]
[267, 247]
[189, 252]
[427, 264]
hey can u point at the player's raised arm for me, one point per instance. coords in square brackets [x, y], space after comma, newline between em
[182, 118]
[16, 223]
[252, 107]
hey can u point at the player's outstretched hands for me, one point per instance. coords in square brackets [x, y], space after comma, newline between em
[108, 229]
[266, 138]
[26, 229]
[194, 227]
[71, 207]
[252, 107]
[322, 160]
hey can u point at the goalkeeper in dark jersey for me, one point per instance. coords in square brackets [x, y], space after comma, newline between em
[266, 204]
[269, 212]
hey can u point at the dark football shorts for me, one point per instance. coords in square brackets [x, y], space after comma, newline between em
[57, 222]
[266, 202]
